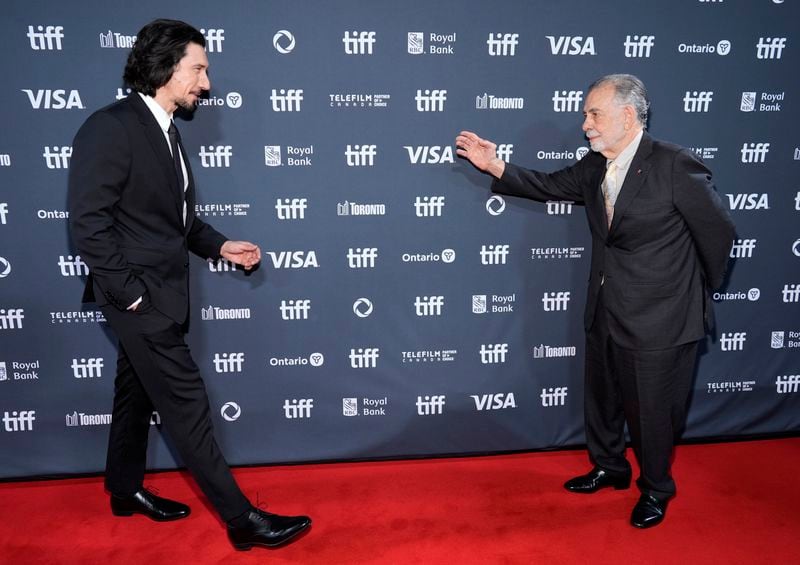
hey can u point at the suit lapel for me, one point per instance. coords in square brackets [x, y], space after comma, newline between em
[160, 147]
[634, 179]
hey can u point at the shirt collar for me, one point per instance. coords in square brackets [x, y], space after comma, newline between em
[162, 117]
[625, 157]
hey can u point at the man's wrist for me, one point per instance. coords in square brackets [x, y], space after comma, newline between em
[496, 167]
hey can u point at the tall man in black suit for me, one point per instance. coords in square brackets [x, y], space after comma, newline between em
[660, 243]
[131, 202]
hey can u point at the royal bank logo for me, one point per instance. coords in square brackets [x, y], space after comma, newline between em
[56, 157]
[495, 303]
[221, 209]
[491, 102]
[430, 100]
[732, 341]
[638, 46]
[787, 384]
[697, 100]
[291, 208]
[215, 156]
[438, 43]
[230, 411]
[429, 154]
[777, 340]
[538, 253]
[428, 206]
[502, 44]
[554, 396]
[87, 368]
[770, 47]
[116, 40]
[213, 313]
[20, 371]
[494, 254]
[347, 208]
[362, 257]
[567, 100]
[56, 99]
[369, 406]
[493, 353]
[494, 401]
[228, 362]
[431, 405]
[722, 47]
[297, 309]
[72, 266]
[286, 100]
[283, 42]
[428, 305]
[359, 42]
[495, 205]
[762, 102]
[781, 339]
[356, 100]
[571, 45]
[364, 357]
[46, 38]
[556, 301]
[543, 351]
[754, 152]
[715, 387]
[431, 356]
[214, 39]
[743, 248]
[77, 317]
[360, 155]
[446, 256]
[752, 201]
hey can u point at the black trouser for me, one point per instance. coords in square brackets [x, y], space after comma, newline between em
[649, 390]
[155, 370]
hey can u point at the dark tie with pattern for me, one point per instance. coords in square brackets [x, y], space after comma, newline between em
[174, 141]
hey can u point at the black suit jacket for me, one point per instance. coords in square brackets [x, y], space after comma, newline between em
[667, 246]
[126, 211]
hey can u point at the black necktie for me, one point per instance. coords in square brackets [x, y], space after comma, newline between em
[174, 141]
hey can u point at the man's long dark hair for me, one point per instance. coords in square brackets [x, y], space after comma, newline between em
[158, 48]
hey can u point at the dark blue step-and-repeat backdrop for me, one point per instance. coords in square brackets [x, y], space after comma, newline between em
[400, 310]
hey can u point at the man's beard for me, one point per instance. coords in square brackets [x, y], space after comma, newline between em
[185, 104]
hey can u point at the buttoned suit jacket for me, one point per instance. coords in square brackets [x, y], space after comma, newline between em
[126, 212]
[666, 248]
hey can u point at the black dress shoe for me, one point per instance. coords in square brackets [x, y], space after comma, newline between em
[266, 529]
[596, 479]
[152, 506]
[648, 512]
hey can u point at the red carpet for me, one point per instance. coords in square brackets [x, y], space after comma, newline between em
[737, 503]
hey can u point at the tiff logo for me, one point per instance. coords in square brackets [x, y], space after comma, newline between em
[639, 45]
[364, 358]
[504, 151]
[228, 362]
[46, 38]
[430, 100]
[11, 319]
[291, 208]
[555, 301]
[57, 157]
[295, 309]
[286, 100]
[219, 156]
[72, 267]
[743, 248]
[502, 44]
[770, 47]
[301, 408]
[428, 305]
[559, 207]
[493, 353]
[214, 39]
[430, 405]
[732, 341]
[221, 265]
[567, 100]
[754, 152]
[21, 421]
[428, 206]
[362, 258]
[360, 155]
[791, 293]
[87, 368]
[697, 101]
[359, 43]
[554, 396]
[787, 384]
[3, 212]
[494, 254]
